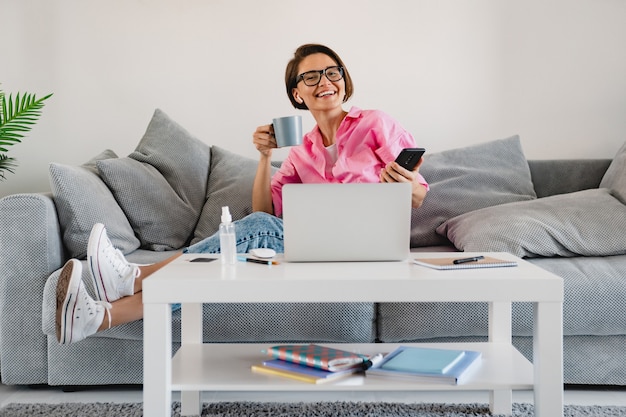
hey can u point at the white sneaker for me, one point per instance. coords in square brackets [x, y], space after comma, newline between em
[114, 277]
[78, 315]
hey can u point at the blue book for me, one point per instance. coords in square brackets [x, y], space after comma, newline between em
[422, 360]
[456, 373]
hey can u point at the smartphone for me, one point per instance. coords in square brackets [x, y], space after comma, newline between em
[409, 157]
[202, 259]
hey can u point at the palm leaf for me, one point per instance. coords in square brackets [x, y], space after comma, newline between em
[6, 164]
[17, 118]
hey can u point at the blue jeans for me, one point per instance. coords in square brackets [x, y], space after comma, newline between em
[256, 230]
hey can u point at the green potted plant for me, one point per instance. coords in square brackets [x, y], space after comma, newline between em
[16, 119]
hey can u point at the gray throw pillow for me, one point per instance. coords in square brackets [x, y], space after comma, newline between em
[467, 179]
[615, 176]
[182, 159]
[161, 186]
[82, 199]
[583, 223]
[230, 184]
[157, 214]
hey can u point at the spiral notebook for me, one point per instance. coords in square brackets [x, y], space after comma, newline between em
[316, 356]
[448, 263]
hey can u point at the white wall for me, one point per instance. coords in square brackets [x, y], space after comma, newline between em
[453, 72]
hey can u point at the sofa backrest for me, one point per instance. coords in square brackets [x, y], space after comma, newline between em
[560, 176]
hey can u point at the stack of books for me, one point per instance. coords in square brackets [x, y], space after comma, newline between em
[311, 363]
[428, 365]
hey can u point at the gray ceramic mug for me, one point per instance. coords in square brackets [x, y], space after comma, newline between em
[288, 131]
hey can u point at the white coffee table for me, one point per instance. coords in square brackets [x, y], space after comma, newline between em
[200, 367]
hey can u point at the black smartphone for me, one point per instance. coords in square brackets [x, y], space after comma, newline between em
[409, 157]
[202, 259]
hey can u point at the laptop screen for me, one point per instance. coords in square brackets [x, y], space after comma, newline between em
[347, 222]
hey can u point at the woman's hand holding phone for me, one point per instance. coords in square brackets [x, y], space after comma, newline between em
[410, 157]
[406, 169]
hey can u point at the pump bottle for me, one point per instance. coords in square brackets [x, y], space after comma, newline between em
[227, 238]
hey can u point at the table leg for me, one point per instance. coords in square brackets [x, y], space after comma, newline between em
[157, 360]
[548, 359]
[500, 401]
[191, 333]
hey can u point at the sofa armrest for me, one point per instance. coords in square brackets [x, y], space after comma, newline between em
[31, 249]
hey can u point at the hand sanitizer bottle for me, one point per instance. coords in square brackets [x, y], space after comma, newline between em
[227, 238]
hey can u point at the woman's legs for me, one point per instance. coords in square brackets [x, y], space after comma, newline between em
[118, 283]
[78, 315]
[256, 230]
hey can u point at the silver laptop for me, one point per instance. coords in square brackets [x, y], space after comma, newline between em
[347, 222]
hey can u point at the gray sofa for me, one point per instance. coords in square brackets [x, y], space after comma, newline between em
[566, 216]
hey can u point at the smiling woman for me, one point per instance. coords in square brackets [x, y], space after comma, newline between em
[344, 146]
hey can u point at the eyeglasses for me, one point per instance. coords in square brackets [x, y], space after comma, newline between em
[313, 78]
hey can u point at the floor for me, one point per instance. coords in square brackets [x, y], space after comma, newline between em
[20, 394]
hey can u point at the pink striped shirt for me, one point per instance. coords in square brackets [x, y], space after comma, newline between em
[366, 141]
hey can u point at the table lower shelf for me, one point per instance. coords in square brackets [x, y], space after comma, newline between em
[226, 367]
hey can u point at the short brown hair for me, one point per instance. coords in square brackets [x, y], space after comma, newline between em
[291, 72]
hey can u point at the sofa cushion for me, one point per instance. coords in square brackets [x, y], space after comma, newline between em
[467, 179]
[615, 176]
[154, 209]
[161, 186]
[230, 184]
[81, 200]
[584, 223]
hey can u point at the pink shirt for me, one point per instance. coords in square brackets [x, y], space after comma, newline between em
[366, 141]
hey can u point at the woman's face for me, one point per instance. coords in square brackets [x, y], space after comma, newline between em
[326, 95]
